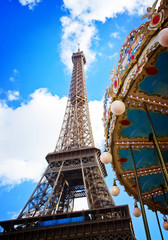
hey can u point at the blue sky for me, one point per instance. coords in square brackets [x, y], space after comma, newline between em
[37, 39]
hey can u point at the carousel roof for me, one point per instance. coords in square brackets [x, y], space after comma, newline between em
[141, 81]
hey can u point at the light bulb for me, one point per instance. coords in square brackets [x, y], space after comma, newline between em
[136, 211]
[165, 224]
[115, 191]
[106, 157]
[118, 107]
[163, 37]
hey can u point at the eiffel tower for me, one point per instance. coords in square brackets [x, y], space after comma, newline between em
[74, 172]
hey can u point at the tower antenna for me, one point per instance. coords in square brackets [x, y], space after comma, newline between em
[78, 47]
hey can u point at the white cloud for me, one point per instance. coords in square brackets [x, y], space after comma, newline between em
[121, 28]
[96, 115]
[110, 45]
[115, 35]
[13, 95]
[12, 79]
[30, 3]
[13, 215]
[31, 131]
[80, 25]
[74, 32]
[28, 133]
[15, 74]
[113, 55]
[15, 71]
[100, 10]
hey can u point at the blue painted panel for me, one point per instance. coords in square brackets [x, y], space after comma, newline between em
[150, 182]
[160, 199]
[157, 84]
[140, 126]
[143, 158]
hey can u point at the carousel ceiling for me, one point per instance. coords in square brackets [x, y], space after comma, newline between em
[141, 81]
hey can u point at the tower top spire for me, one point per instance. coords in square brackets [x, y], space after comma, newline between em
[78, 47]
[76, 131]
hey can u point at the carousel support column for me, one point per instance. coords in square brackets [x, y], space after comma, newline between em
[158, 150]
[157, 218]
[140, 199]
[161, 167]
[164, 195]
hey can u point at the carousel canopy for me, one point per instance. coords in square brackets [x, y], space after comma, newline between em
[141, 82]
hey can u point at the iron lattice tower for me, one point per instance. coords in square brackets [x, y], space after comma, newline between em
[74, 171]
[74, 168]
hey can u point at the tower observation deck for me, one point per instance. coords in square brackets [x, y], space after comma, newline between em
[74, 171]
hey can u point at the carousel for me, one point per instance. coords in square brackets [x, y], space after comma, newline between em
[136, 115]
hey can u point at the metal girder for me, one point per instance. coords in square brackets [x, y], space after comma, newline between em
[63, 181]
